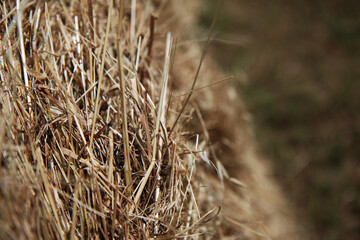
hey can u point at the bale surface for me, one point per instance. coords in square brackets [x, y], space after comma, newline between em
[98, 140]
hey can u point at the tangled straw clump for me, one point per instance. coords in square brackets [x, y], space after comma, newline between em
[94, 143]
[83, 136]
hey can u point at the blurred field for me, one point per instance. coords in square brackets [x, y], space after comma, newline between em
[297, 66]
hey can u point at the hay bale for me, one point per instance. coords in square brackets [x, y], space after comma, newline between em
[102, 138]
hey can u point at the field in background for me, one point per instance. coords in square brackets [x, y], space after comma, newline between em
[297, 63]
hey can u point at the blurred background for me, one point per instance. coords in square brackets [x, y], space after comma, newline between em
[297, 66]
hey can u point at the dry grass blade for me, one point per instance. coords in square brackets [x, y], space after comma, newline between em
[204, 219]
[128, 178]
[101, 75]
[19, 12]
[207, 86]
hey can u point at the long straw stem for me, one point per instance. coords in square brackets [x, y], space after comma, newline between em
[199, 67]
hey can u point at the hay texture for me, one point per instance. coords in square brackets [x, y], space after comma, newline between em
[105, 135]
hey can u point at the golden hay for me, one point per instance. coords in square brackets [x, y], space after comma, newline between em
[97, 141]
